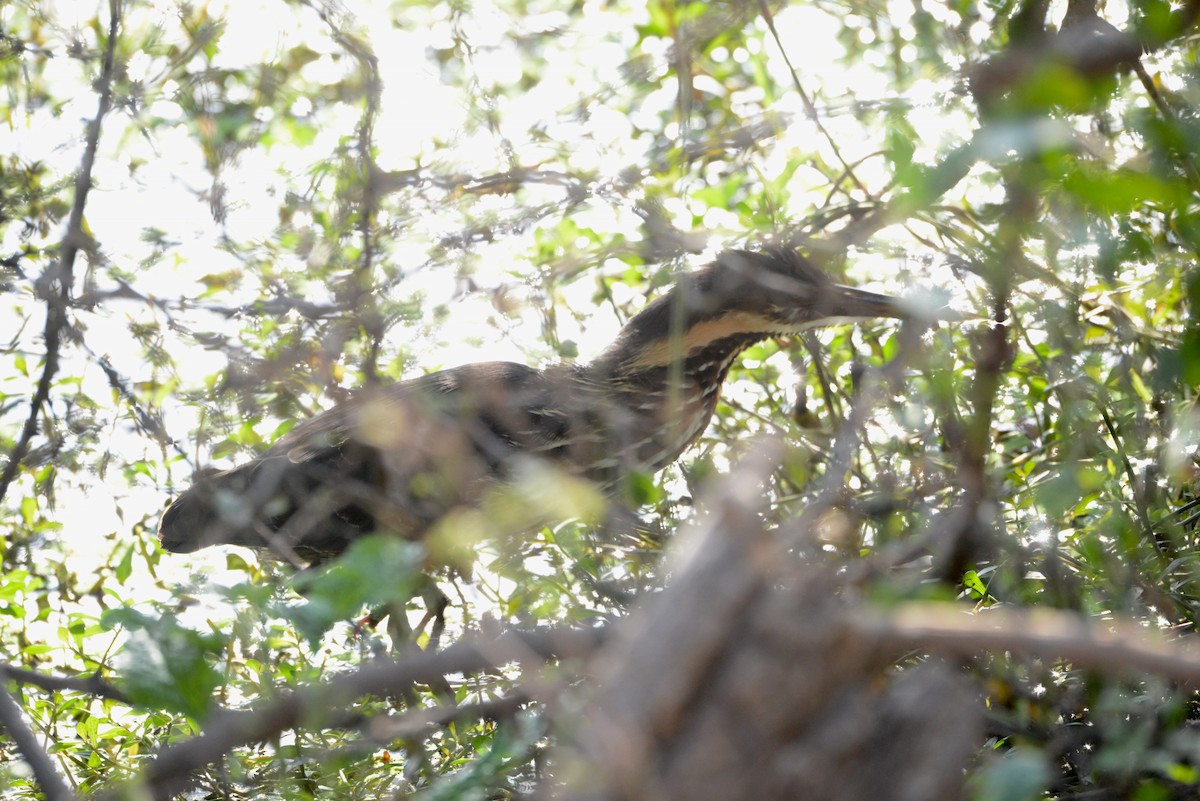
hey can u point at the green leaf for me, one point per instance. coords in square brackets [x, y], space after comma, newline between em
[1140, 387]
[164, 665]
[1119, 191]
[1189, 362]
[641, 489]
[124, 567]
[376, 571]
[1022, 775]
[29, 508]
[973, 583]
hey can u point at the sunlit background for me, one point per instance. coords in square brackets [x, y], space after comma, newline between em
[457, 96]
[291, 200]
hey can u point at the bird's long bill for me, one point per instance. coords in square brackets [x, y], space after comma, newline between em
[851, 303]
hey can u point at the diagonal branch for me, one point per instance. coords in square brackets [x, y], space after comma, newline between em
[809, 107]
[11, 721]
[174, 770]
[62, 274]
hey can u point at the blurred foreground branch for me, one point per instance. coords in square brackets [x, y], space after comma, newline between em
[1118, 647]
[756, 675]
[36, 756]
[745, 679]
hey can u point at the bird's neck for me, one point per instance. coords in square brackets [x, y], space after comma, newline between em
[686, 326]
[668, 392]
[666, 367]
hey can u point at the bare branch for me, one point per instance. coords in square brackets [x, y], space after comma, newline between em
[1115, 647]
[63, 272]
[173, 771]
[93, 685]
[26, 741]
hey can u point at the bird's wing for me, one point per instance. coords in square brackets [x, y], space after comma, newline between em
[398, 457]
[485, 400]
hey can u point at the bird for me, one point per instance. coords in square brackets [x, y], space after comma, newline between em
[399, 458]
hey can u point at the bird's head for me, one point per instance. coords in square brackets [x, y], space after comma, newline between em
[742, 295]
[776, 291]
[219, 508]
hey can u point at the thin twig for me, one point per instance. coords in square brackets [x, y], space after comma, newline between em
[92, 685]
[1139, 503]
[809, 107]
[64, 272]
[11, 720]
[830, 491]
[149, 422]
[1182, 156]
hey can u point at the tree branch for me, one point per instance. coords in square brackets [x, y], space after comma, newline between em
[26, 741]
[173, 771]
[1115, 647]
[63, 272]
[93, 685]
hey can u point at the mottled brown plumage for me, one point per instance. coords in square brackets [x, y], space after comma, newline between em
[398, 458]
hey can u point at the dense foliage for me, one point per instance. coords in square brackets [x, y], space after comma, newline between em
[217, 218]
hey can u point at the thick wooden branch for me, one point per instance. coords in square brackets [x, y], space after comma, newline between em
[744, 680]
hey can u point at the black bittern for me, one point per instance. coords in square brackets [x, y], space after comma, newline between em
[399, 458]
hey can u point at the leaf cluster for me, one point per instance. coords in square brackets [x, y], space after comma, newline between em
[287, 207]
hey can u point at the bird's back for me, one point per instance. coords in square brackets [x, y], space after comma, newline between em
[397, 457]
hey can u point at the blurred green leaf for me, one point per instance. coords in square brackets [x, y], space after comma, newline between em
[375, 571]
[1021, 775]
[165, 665]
